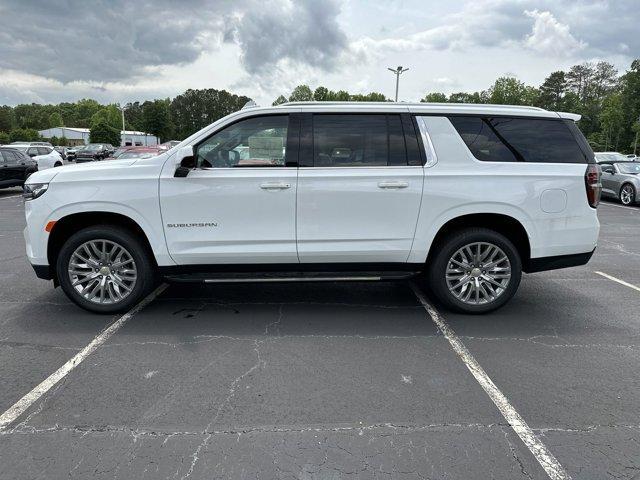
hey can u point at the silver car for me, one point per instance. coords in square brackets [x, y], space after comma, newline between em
[621, 180]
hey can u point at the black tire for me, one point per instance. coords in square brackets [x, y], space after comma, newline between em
[146, 271]
[632, 194]
[445, 249]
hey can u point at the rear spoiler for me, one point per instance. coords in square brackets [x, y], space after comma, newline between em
[570, 116]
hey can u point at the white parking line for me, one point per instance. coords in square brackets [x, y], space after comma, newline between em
[25, 402]
[554, 470]
[621, 282]
[619, 206]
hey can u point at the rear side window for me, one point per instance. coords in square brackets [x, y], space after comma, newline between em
[43, 151]
[505, 139]
[358, 141]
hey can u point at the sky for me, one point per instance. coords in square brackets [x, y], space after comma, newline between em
[122, 50]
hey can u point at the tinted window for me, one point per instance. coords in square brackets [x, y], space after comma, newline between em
[32, 151]
[504, 139]
[43, 151]
[2, 158]
[358, 141]
[255, 142]
[11, 157]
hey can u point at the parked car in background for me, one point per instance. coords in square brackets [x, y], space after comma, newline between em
[62, 151]
[169, 145]
[140, 152]
[610, 157]
[92, 152]
[119, 151]
[15, 167]
[621, 180]
[632, 157]
[464, 197]
[46, 157]
[71, 152]
[44, 144]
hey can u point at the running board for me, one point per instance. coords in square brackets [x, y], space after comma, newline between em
[262, 277]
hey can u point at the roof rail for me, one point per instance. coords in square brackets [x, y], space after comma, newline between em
[417, 104]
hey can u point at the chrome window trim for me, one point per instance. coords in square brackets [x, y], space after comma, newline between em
[429, 151]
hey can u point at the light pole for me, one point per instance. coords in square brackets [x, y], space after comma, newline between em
[397, 72]
[122, 109]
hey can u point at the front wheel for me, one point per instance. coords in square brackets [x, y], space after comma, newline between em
[105, 269]
[475, 270]
[627, 194]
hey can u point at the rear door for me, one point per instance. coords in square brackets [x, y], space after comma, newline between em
[359, 188]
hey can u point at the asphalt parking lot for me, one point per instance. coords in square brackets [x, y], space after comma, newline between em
[325, 381]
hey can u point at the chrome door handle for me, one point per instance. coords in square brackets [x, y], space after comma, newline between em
[393, 184]
[275, 186]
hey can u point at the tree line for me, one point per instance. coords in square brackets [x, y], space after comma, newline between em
[167, 119]
[608, 101]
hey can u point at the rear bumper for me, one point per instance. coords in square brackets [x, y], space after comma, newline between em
[559, 261]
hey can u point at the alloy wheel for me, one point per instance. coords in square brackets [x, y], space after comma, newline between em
[102, 271]
[626, 194]
[478, 273]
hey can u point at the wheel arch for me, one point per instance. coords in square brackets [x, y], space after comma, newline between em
[72, 223]
[501, 223]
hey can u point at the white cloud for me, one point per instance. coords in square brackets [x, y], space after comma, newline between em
[548, 36]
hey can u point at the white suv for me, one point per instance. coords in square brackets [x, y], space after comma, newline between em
[45, 156]
[465, 196]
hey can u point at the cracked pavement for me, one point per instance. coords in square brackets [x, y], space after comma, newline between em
[324, 381]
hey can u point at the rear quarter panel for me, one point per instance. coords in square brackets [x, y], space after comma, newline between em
[549, 200]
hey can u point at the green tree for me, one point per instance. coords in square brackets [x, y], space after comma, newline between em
[7, 119]
[157, 118]
[24, 135]
[195, 109]
[302, 93]
[280, 100]
[4, 138]
[434, 97]
[55, 120]
[321, 94]
[102, 132]
[85, 109]
[63, 142]
[552, 91]
[511, 91]
[612, 121]
[54, 141]
[464, 97]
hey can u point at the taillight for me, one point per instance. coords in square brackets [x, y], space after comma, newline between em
[592, 184]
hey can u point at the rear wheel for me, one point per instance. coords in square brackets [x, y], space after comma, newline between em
[105, 269]
[627, 194]
[475, 270]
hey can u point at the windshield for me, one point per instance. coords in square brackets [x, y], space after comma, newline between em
[23, 149]
[610, 157]
[93, 147]
[126, 155]
[629, 168]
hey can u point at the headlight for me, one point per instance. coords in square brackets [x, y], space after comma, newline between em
[34, 190]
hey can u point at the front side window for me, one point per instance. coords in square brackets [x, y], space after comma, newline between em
[358, 141]
[507, 139]
[43, 151]
[255, 142]
[32, 151]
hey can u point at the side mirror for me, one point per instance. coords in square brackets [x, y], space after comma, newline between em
[186, 161]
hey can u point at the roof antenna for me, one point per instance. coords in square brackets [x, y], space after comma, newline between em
[250, 104]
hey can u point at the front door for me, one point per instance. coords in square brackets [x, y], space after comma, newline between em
[238, 205]
[359, 189]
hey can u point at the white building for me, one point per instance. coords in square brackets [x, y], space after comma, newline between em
[79, 136]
